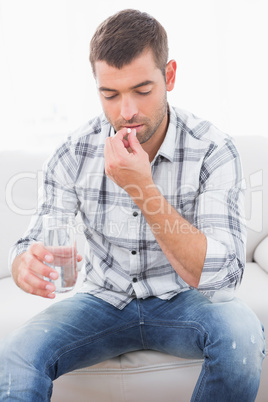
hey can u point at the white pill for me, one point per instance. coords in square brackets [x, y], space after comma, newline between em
[129, 130]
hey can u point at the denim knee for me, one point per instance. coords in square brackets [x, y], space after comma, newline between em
[20, 373]
[237, 343]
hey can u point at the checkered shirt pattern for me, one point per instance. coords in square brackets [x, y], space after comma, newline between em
[198, 171]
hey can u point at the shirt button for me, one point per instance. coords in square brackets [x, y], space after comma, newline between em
[134, 280]
[133, 252]
[135, 213]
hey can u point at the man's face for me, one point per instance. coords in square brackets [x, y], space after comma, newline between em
[134, 96]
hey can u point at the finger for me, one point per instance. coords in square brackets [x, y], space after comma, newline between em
[112, 156]
[36, 267]
[40, 252]
[35, 284]
[107, 157]
[79, 258]
[119, 141]
[38, 286]
[46, 257]
[125, 139]
[134, 142]
[121, 133]
[125, 142]
[62, 251]
[108, 150]
[48, 292]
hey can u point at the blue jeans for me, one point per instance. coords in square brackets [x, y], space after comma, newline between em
[84, 330]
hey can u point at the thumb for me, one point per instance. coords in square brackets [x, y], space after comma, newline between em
[133, 141]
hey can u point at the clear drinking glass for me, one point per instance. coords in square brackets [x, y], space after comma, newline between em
[59, 240]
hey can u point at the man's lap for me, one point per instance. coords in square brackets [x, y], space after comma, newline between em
[84, 330]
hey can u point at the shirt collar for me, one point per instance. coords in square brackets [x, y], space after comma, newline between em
[167, 148]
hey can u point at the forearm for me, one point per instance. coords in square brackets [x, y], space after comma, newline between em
[183, 244]
[213, 262]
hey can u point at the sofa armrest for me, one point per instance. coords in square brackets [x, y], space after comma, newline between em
[261, 254]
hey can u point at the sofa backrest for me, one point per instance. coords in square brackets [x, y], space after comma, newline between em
[254, 155]
[21, 175]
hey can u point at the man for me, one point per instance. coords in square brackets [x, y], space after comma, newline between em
[159, 191]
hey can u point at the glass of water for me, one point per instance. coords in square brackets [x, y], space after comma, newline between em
[59, 240]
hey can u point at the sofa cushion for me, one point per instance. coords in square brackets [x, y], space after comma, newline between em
[253, 291]
[136, 376]
[261, 254]
[17, 306]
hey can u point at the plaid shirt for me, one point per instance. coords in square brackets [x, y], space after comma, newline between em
[197, 169]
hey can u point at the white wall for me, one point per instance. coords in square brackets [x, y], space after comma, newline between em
[46, 86]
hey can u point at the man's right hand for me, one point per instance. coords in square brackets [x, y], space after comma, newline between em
[29, 270]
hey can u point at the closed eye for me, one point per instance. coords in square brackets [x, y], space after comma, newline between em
[108, 97]
[144, 93]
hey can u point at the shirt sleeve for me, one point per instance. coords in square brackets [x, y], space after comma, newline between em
[220, 216]
[56, 195]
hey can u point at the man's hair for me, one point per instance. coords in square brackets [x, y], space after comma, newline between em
[124, 36]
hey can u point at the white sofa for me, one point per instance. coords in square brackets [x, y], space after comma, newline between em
[143, 376]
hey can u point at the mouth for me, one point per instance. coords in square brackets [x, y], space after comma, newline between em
[137, 127]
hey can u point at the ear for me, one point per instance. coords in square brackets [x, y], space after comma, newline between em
[171, 69]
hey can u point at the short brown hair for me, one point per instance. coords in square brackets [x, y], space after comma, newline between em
[125, 35]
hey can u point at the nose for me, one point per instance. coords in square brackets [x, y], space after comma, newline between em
[128, 108]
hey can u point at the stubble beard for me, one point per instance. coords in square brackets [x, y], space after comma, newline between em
[151, 125]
